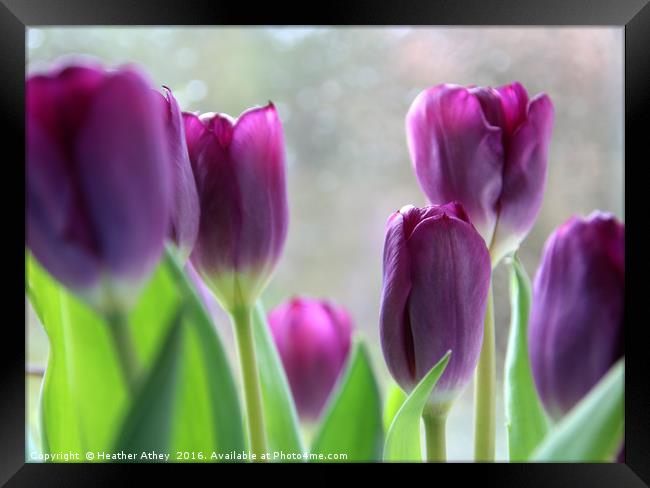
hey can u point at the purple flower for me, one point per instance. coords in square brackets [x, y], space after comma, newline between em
[313, 339]
[240, 176]
[98, 180]
[436, 279]
[185, 212]
[486, 148]
[576, 321]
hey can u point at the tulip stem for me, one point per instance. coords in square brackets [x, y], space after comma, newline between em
[434, 431]
[485, 390]
[128, 358]
[252, 392]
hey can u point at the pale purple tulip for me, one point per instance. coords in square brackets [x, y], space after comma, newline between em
[436, 280]
[239, 168]
[98, 180]
[185, 211]
[576, 320]
[313, 340]
[486, 148]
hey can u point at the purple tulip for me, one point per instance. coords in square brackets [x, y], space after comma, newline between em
[185, 212]
[98, 180]
[240, 177]
[313, 339]
[436, 280]
[576, 321]
[486, 148]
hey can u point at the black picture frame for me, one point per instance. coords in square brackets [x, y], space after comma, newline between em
[631, 15]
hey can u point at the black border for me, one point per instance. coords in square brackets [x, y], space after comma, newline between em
[634, 15]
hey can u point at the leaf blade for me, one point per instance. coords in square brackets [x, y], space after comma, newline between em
[280, 417]
[148, 423]
[593, 430]
[83, 395]
[526, 421]
[403, 438]
[211, 371]
[352, 422]
[395, 398]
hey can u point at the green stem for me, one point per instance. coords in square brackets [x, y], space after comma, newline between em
[252, 391]
[485, 390]
[128, 359]
[434, 430]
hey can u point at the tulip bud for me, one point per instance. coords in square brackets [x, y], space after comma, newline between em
[576, 320]
[486, 148]
[185, 211]
[313, 339]
[436, 280]
[98, 182]
[240, 177]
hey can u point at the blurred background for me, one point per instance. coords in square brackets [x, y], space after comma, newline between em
[342, 94]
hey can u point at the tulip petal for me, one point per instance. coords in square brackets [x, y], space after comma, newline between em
[524, 177]
[342, 323]
[54, 215]
[240, 177]
[450, 280]
[504, 107]
[195, 131]
[257, 149]
[59, 230]
[60, 102]
[122, 150]
[219, 194]
[576, 321]
[490, 101]
[394, 328]
[457, 154]
[514, 103]
[185, 211]
[313, 350]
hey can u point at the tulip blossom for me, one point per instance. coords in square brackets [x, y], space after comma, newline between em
[576, 321]
[313, 339]
[98, 180]
[185, 211]
[486, 148]
[435, 287]
[239, 170]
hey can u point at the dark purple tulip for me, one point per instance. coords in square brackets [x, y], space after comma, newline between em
[98, 180]
[576, 321]
[240, 177]
[486, 148]
[185, 211]
[313, 339]
[436, 279]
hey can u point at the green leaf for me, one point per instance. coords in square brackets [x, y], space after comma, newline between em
[208, 414]
[352, 419]
[593, 430]
[83, 396]
[526, 421]
[149, 422]
[394, 399]
[280, 416]
[403, 438]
